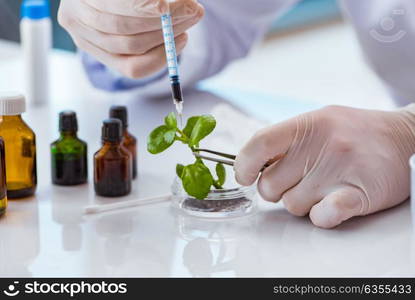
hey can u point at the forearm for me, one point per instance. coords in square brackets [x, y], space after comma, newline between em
[104, 78]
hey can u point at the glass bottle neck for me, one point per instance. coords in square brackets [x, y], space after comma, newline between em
[65, 134]
[111, 144]
[15, 118]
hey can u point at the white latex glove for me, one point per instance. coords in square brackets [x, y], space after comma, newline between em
[340, 162]
[126, 34]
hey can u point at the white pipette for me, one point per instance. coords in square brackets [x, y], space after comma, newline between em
[99, 208]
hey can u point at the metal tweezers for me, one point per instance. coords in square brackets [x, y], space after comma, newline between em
[231, 157]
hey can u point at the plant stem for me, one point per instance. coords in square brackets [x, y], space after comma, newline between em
[183, 140]
[182, 133]
[217, 185]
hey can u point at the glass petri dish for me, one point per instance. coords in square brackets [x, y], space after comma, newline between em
[227, 203]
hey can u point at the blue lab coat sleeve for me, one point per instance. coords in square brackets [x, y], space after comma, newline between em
[228, 32]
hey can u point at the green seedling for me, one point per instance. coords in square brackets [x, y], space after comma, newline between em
[197, 179]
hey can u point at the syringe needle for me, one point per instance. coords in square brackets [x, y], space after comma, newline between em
[179, 110]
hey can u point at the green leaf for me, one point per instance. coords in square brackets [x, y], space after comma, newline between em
[160, 139]
[171, 120]
[191, 122]
[179, 170]
[221, 173]
[197, 180]
[203, 127]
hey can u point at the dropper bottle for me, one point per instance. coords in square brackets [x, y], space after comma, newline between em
[112, 163]
[20, 144]
[69, 153]
[129, 141]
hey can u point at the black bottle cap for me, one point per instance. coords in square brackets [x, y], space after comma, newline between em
[67, 121]
[111, 130]
[120, 112]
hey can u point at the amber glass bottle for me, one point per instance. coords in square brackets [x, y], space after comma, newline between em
[20, 145]
[112, 163]
[128, 141]
[3, 187]
[69, 153]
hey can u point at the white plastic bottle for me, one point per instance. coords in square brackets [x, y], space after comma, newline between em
[36, 39]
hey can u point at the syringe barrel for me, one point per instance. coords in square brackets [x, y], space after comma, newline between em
[169, 43]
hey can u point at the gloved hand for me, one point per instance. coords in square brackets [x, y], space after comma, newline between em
[126, 34]
[340, 162]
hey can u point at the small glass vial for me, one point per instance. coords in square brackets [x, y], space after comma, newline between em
[226, 203]
[3, 186]
[112, 163]
[128, 141]
[20, 144]
[69, 153]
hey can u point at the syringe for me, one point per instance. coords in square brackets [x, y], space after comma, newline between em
[172, 64]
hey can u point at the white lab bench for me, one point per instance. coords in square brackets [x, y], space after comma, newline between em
[47, 235]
